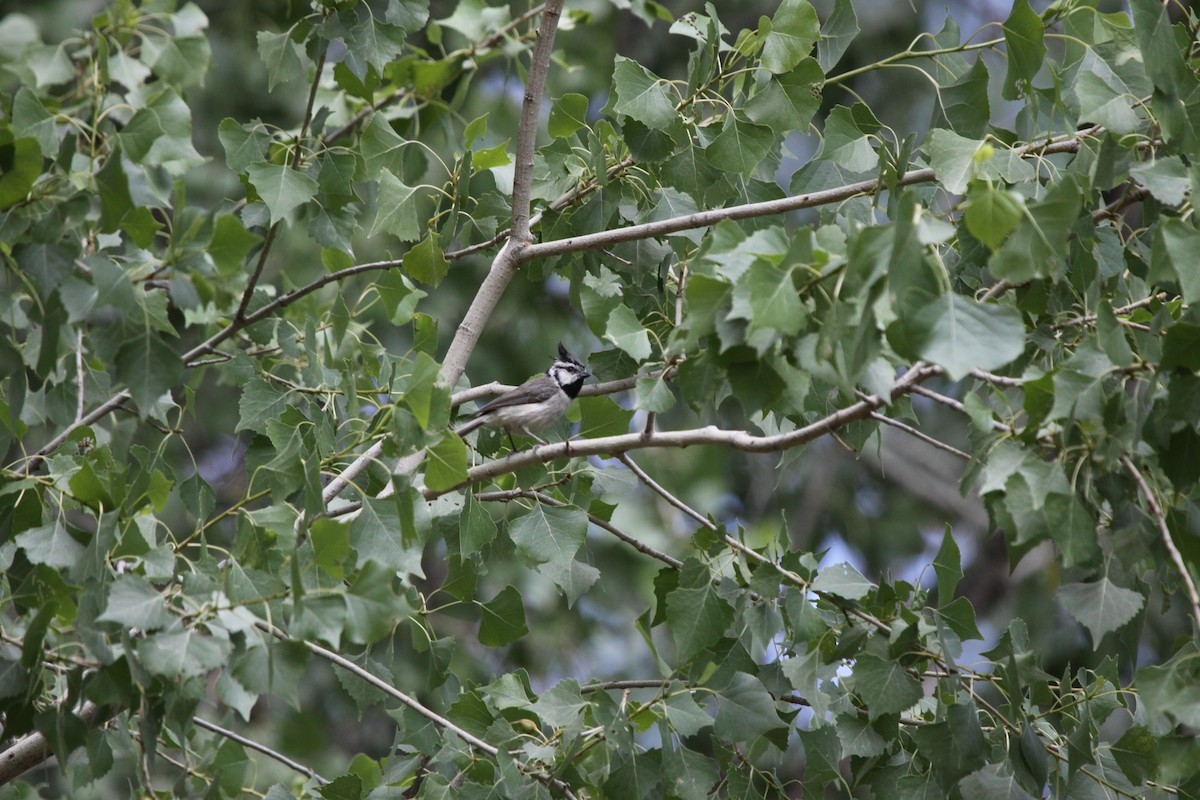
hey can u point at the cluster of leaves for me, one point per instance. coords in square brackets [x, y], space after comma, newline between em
[1036, 267]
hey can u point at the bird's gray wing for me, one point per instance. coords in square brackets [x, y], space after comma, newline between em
[535, 390]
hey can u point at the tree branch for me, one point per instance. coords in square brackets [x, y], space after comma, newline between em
[702, 219]
[32, 749]
[1160, 520]
[709, 435]
[924, 437]
[504, 265]
[262, 748]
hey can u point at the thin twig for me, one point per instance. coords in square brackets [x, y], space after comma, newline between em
[1088, 319]
[658, 489]
[412, 703]
[950, 402]
[79, 375]
[924, 437]
[750, 552]
[999, 380]
[1161, 520]
[262, 748]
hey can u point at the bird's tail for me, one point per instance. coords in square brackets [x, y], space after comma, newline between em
[467, 427]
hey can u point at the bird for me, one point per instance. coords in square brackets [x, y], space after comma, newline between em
[535, 404]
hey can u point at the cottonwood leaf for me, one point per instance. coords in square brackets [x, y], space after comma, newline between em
[884, 685]
[642, 95]
[282, 188]
[961, 334]
[842, 580]
[134, 603]
[1100, 606]
[745, 710]
[503, 619]
[793, 31]
[182, 653]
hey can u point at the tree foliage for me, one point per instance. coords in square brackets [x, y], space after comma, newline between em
[564, 621]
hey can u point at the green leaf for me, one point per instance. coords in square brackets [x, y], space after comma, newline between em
[30, 119]
[490, 158]
[377, 534]
[740, 146]
[399, 296]
[837, 33]
[20, 165]
[550, 533]
[282, 188]
[884, 686]
[641, 95]
[330, 544]
[425, 261]
[1136, 752]
[766, 296]
[787, 102]
[343, 787]
[1025, 38]
[993, 782]
[992, 214]
[961, 334]
[1100, 606]
[446, 463]
[963, 106]
[1104, 98]
[745, 710]
[261, 402]
[182, 654]
[373, 608]
[476, 528]
[1181, 347]
[231, 242]
[282, 56]
[842, 580]
[562, 705]
[600, 416]
[397, 210]
[1169, 690]
[568, 114]
[133, 603]
[148, 367]
[957, 160]
[947, 566]
[51, 545]
[696, 614]
[956, 746]
[1175, 246]
[1164, 62]
[244, 144]
[792, 32]
[503, 619]
[626, 332]
[1166, 178]
[372, 43]
[382, 149]
[685, 716]
[654, 395]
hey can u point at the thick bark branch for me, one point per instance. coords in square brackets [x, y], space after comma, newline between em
[32, 749]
